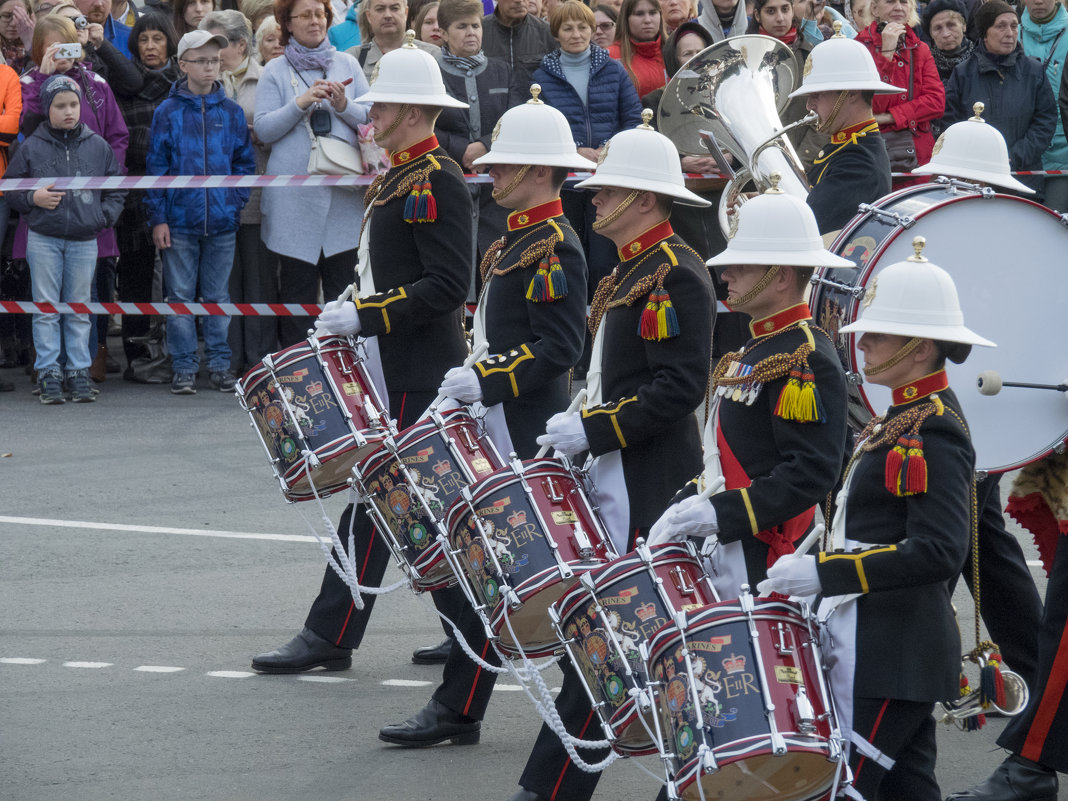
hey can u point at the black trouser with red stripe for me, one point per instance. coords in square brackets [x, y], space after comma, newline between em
[333, 615]
[1040, 733]
[549, 771]
[903, 733]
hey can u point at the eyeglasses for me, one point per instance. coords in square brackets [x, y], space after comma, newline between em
[605, 26]
[308, 16]
[202, 62]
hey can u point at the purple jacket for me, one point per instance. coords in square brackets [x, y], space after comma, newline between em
[101, 115]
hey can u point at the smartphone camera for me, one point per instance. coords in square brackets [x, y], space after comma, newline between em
[71, 51]
[320, 122]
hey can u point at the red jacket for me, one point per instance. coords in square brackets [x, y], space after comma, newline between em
[646, 65]
[928, 93]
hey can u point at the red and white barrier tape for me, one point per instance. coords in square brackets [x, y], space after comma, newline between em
[168, 309]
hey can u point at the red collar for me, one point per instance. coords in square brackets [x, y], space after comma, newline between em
[535, 214]
[921, 388]
[780, 320]
[648, 239]
[410, 154]
[853, 132]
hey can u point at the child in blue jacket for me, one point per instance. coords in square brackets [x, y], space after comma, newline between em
[63, 226]
[197, 130]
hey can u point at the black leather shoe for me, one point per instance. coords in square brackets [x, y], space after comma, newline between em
[433, 654]
[527, 795]
[305, 651]
[1016, 779]
[434, 723]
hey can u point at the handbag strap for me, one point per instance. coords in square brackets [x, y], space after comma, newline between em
[1053, 49]
[307, 123]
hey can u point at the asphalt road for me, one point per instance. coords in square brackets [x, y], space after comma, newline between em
[124, 649]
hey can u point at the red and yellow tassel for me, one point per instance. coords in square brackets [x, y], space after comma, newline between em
[659, 320]
[974, 722]
[799, 400]
[549, 282]
[420, 205]
[991, 682]
[895, 460]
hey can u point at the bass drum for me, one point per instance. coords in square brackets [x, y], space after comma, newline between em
[1005, 256]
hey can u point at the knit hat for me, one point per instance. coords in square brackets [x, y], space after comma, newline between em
[56, 84]
[937, 7]
[987, 13]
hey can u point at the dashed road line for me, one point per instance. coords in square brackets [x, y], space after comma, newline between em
[87, 664]
[405, 683]
[189, 532]
[229, 674]
[159, 669]
[21, 660]
[323, 679]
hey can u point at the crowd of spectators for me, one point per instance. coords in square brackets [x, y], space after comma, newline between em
[599, 64]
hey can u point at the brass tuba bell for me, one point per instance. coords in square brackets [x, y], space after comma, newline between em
[970, 705]
[730, 95]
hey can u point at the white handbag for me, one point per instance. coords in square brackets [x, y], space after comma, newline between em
[331, 156]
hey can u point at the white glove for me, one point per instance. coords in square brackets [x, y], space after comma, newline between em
[792, 575]
[565, 433]
[461, 383]
[338, 317]
[695, 517]
[664, 530]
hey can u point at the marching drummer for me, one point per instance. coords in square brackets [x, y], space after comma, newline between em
[414, 274]
[840, 81]
[776, 432]
[900, 535]
[652, 325]
[531, 315]
[1010, 605]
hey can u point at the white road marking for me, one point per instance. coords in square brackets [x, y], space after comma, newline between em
[405, 683]
[87, 664]
[229, 674]
[190, 532]
[20, 660]
[1034, 563]
[323, 679]
[507, 688]
[159, 669]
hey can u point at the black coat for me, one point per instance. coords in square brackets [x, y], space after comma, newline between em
[651, 388]
[792, 465]
[82, 213]
[422, 271]
[535, 343]
[846, 174]
[908, 645]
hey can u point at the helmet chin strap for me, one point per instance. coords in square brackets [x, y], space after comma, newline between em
[906, 349]
[617, 211]
[824, 126]
[501, 194]
[758, 287]
[393, 126]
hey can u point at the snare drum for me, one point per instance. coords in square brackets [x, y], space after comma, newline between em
[520, 539]
[414, 480]
[605, 619]
[317, 413]
[743, 702]
[1011, 291]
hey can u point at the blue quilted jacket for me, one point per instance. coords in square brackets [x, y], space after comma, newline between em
[198, 135]
[612, 103]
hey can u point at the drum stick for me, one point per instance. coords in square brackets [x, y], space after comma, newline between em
[812, 538]
[712, 488]
[476, 354]
[576, 404]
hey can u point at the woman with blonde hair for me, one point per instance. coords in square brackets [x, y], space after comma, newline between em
[269, 40]
[639, 37]
[903, 60]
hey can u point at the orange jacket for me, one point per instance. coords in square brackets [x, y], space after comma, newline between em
[10, 111]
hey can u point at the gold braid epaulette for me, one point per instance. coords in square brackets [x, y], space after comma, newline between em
[415, 173]
[773, 367]
[606, 289]
[905, 472]
[534, 253]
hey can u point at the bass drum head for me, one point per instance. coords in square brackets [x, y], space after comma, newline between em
[1005, 256]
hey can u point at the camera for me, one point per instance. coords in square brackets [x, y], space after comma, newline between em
[71, 51]
[80, 22]
[320, 122]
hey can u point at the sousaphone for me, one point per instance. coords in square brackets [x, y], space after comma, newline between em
[728, 98]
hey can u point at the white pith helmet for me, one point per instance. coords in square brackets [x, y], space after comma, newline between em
[642, 159]
[975, 151]
[409, 75]
[534, 133]
[840, 64]
[914, 298]
[777, 228]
